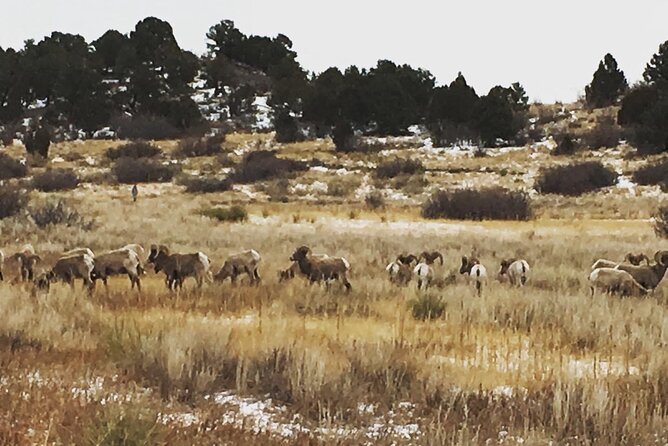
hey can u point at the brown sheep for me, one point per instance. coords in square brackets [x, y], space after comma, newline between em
[244, 262]
[399, 272]
[27, 264]
[319, 269]
[121, 261]
[430, 257]
[177, 267]
[615, 281]
[516, 271]
[67, 269]
[649, 276]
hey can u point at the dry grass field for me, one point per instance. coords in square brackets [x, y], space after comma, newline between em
[293, 363]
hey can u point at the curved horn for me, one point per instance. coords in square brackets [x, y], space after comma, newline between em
[645, 258]
[658, 257]
[439, 256]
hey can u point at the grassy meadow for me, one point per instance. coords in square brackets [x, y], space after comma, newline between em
[292, 363]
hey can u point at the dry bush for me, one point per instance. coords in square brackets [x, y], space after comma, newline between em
[483, 204]
[194, 147]
[12, 201]
[575, 179]
[58, 213]
[205, 184]
[375, 200]
[277, 190]
[661, 222]
[135, 149]
[143, 170]
[55, 180]
[343, 186]
[653, 172]
[263, 165]
[232, 214]
[567, 145]
[427, 307]
[11, 168]
[399, 166]
[605, 133]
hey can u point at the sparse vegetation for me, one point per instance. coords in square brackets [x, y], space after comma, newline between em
[12, 201]
[399, 166]
[427, 307]
[661, 222]
[54, 213]
[11, 168]
[375, 200]
[263, 165]
[205, 184]
[652, 173]
[135, 150]
[575, 179]
[55, 180]
[194, 147]
[484, 204]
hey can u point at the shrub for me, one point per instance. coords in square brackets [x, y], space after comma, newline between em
[144, 127]
[58, 213]
[484, 204]
[193, 147]
[232, 214]
[287, 127]
[262, 165]
[142, 170]
[11, 168]
[661, 222]
[575, 179]
[12, 201]
[394, 168]
[205, 185]
[375, 200]
[55, 179]
[606, 133]
[343, 137]
[566, 146]
[427, 307]
[652, 173]
[37, 141]
[135, 149]
[278, 190]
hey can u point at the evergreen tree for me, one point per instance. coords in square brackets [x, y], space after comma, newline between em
[607, 85]
[656, 71]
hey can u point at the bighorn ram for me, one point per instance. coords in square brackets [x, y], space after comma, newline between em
[319, 268]
[649, 276]
[400, 273]
[177, 267]
[121, 261]
[476, 272]
[27, 262]
[67, 269]
[430, 257]
[636, 259]
[245, 262]
[517, 271]
[425, 274]
[614, 281]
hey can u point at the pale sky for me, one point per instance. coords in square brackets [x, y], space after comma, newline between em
[552, 48]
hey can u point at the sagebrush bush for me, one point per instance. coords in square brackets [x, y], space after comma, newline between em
[55, 179]
[575, 179]
[263, 165]
[427, 307]
[12, 201]
[142, 170]
[654, 173]
[37, 141]
[232, 214]
[566, 146]
[205, 184]
[194, 147]
[11, 168]
[399, 166]
[606, 133]
[661, 222]
[58, 213]
[375, 200]
[478, 204]
[134, 149]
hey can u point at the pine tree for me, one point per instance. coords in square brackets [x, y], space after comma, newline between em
[607, 85]
[656, 71]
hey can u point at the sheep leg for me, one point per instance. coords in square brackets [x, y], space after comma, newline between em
[2, 278]
[347, 284]
[256, 274]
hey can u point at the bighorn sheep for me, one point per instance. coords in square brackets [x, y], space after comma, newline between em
[319, 268]
[77, 252]
[649, 276]
[177, 267]
[425, 274]
[430, 257]
[636, 259]
[400, 272]
[121, 261]
[475, 272]
[614, 281]
[67, 269]
[27, 261]
[517, 271]
[407, 259]
[604, 263]
[289, 273]
[244, 262]
[42, 283]
[139, 250]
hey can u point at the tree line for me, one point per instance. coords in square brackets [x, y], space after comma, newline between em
[66, 83]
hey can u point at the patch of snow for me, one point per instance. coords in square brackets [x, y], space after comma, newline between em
[57, 159]
[245, 189]
[263, 113]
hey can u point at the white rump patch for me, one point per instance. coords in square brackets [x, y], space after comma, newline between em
[345, 263]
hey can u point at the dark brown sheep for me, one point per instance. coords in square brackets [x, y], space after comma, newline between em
[27, 262]
[319, 269]
[67, 269]
[177, 267]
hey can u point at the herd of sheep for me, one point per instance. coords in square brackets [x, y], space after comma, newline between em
[627, 277]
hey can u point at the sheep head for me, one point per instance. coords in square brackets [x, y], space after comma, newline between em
[661, 257]
[300, 253]
[505, 264]
[467, 264]
[636, 259]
